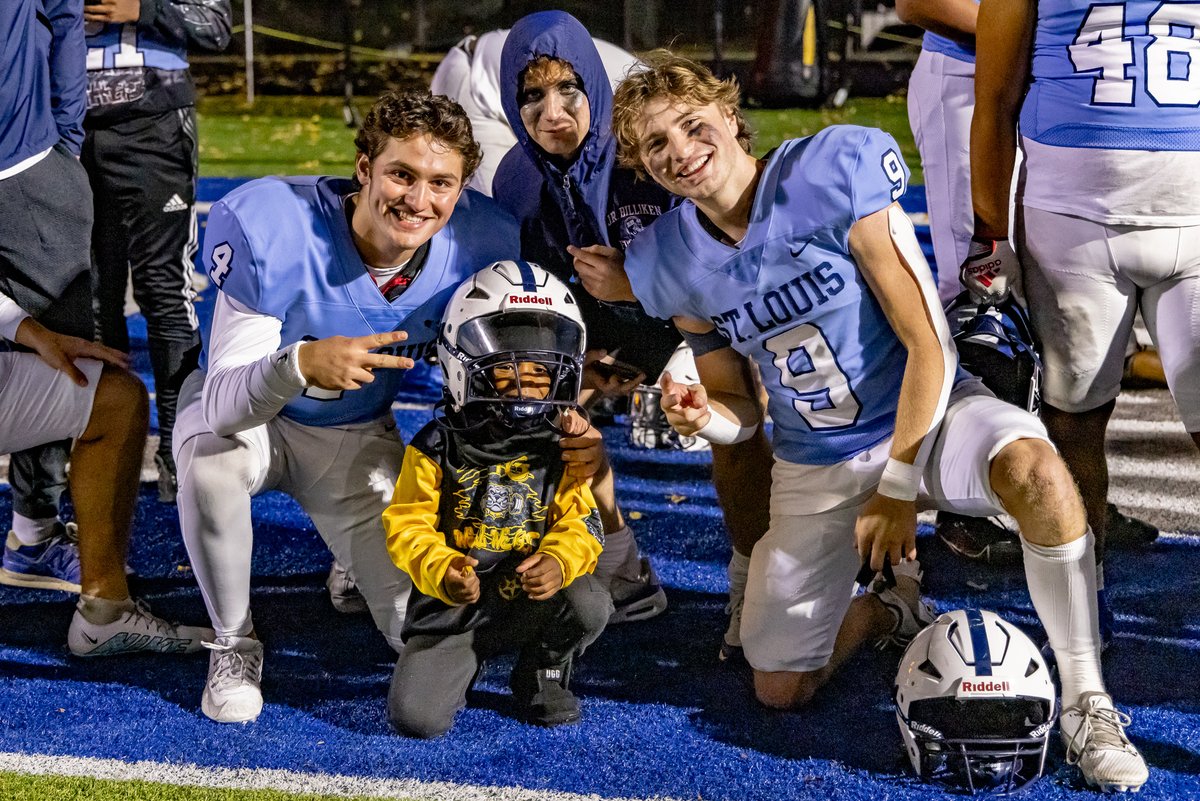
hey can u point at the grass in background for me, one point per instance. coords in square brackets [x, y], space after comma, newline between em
[306, 135]
[14, 787]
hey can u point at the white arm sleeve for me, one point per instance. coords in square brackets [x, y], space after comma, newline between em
[11, 316]
[905, 239]
[249, 377]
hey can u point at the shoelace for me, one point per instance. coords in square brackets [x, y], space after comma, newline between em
[232, 665]
[141, 616]
[1100, 727]
[60, 555]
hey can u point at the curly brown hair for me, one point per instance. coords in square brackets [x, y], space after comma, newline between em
[676, 78]
[399, 115]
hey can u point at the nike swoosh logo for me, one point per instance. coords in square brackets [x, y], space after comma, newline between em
[796, 251]
[90, 638]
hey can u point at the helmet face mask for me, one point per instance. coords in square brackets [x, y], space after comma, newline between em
[975, 704]
[511, 347]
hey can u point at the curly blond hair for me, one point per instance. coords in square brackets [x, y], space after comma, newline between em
[676, 78]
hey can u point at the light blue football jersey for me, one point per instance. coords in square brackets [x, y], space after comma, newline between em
[790, 296]
[283, 247]
[947, 47]
[1118, 76]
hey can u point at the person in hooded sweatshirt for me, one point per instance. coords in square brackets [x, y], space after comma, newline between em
[469, 74]
[578, 213]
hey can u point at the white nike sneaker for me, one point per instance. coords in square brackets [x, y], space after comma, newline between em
[232, 693]
[1093, 731]
[138, 630]
[904, 601]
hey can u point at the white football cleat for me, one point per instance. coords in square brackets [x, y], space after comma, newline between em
[232, 693]
[138, 630]
[1093, 731]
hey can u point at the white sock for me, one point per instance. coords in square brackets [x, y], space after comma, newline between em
[31, 531]
[1062, 584]
[619, 547]
[738, 571]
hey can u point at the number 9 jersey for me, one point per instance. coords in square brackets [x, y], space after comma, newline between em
[790, 295]
[1111, 123]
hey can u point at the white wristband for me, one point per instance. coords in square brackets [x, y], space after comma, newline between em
[286, 364]
[900, 480]
[720, 430]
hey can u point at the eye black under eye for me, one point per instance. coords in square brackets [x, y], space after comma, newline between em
[530, 96]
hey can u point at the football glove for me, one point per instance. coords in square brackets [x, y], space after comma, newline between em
[991, 271]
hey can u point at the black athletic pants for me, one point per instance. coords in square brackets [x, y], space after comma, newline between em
[143, 175]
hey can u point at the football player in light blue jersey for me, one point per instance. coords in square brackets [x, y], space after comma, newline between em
[804, 263]
[1108, 218]
[329, 289]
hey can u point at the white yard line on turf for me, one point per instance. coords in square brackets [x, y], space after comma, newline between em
[281, 780]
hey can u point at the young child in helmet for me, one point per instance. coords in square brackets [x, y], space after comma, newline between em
[499, 542]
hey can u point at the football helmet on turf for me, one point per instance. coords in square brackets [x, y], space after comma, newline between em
[508, 314]
[648, 426]
[975, 703]
[996, 343]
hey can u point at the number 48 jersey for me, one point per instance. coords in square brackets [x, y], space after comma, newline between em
[1111, 123]
[790, 295]
[1115, 75]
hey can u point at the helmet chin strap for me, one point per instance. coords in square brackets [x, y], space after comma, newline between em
[537, 415]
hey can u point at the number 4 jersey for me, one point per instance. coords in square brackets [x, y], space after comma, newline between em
[790, 296]
[283, 247]
[1111, 123]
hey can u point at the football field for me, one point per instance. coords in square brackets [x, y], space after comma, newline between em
[662, 719]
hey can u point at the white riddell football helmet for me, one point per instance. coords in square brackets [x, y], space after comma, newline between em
[648, 426]
[508, 313]
[975, 703]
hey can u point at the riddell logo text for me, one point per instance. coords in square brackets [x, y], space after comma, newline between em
[530, 299]
[985, 686]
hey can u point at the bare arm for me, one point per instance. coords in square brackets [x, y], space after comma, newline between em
[885, 249]
[954, 19]
[1002, 63]
[915, 317]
